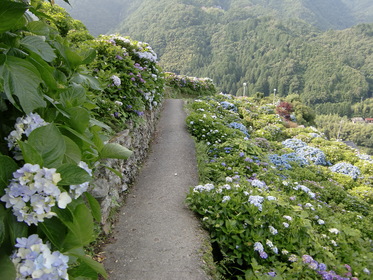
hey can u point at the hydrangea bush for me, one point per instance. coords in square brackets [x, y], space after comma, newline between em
[51, 140]
[190, 85]
[276, 210]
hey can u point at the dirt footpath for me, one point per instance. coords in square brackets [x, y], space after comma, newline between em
[157, 237]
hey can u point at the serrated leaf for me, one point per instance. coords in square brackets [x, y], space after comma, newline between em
[73, 96]
[55, 230]
[99, 268]
[7, 167]
[114, 150]
[21, 79]
[11, 13]
[7, 268]
[45, 70]
[30, 154]
[72, 174]
[73, 153]
[79, 118]
[37, 45]
[89, 56]
[38, 28]
[95, 206]
[49, 142]
[88, 80]
[80, 229]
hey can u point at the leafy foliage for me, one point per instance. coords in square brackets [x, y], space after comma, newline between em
[277, 210]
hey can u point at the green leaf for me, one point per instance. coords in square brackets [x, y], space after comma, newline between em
[73, 153]
[89, 56]
[49, 142]
[45, 70]
[95, 206]
[114, 150]
[80, 230]
[22, 79]
[11, 13]
[2, 224]
[78, 135]
[99, 268]
[38, 28]
[79, 118]
[88, 80]
[38, 45]
[7, 269]
[72, 174]
[55, 230]
[100, 124]
[73, 96]
[15, 229]
[7, 167]
[30, 154]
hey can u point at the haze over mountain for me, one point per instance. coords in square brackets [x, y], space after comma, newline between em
[307, 47]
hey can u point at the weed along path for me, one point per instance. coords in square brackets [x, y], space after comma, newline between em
[156, 236]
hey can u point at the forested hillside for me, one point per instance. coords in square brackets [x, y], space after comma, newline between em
[236, 42]
[267, 44]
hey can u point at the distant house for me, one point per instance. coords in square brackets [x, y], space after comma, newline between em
[357, 120]
[369, 120]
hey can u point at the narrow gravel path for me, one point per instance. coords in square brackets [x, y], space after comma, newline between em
[157, 237]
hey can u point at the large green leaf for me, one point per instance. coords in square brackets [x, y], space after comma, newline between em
[49, 142]
[79, 118]
[38, 45]
[15, 229]
[22, 79]
[2, 224]
[80, 229]
[88, 80]
[99, 268]
[72, 174]
[73, 153]
[73, 96]
[11, 13]
[7, 268]
[55, 230]
[38, 28]
[114, 150]
[45, 70]
[30, 154]
[95, 206]
[7, 167]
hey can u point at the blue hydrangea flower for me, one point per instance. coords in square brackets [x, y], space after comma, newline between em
[240, 127]
[33, 192]
[228, 106]
[347, 169]
[294, 143]
[34, 260]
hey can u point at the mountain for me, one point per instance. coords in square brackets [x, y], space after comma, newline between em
[293, 46]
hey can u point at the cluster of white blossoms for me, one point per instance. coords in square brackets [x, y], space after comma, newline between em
[33, 192]
[116, 80]
[34, 260]
[23, 126]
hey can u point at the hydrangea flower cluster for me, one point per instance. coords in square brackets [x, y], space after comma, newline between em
[201, 188]
[257, 201]
[78, 190]
[260, 249]
[24, 126]
[305, 189]
[116, 80]
[35, 260]
[347, 169]
[228, 106]
[284, 161]
[312, 154]
[240, 127]
[146, 52]
[33, 192]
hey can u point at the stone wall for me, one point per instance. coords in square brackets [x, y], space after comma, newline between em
[108, 188]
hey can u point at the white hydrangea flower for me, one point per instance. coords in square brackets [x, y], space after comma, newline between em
[34, 260]
[33, 192]
[116, 80]
[334, 230]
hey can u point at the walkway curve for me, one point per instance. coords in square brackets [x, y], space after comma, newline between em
[156, 236]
